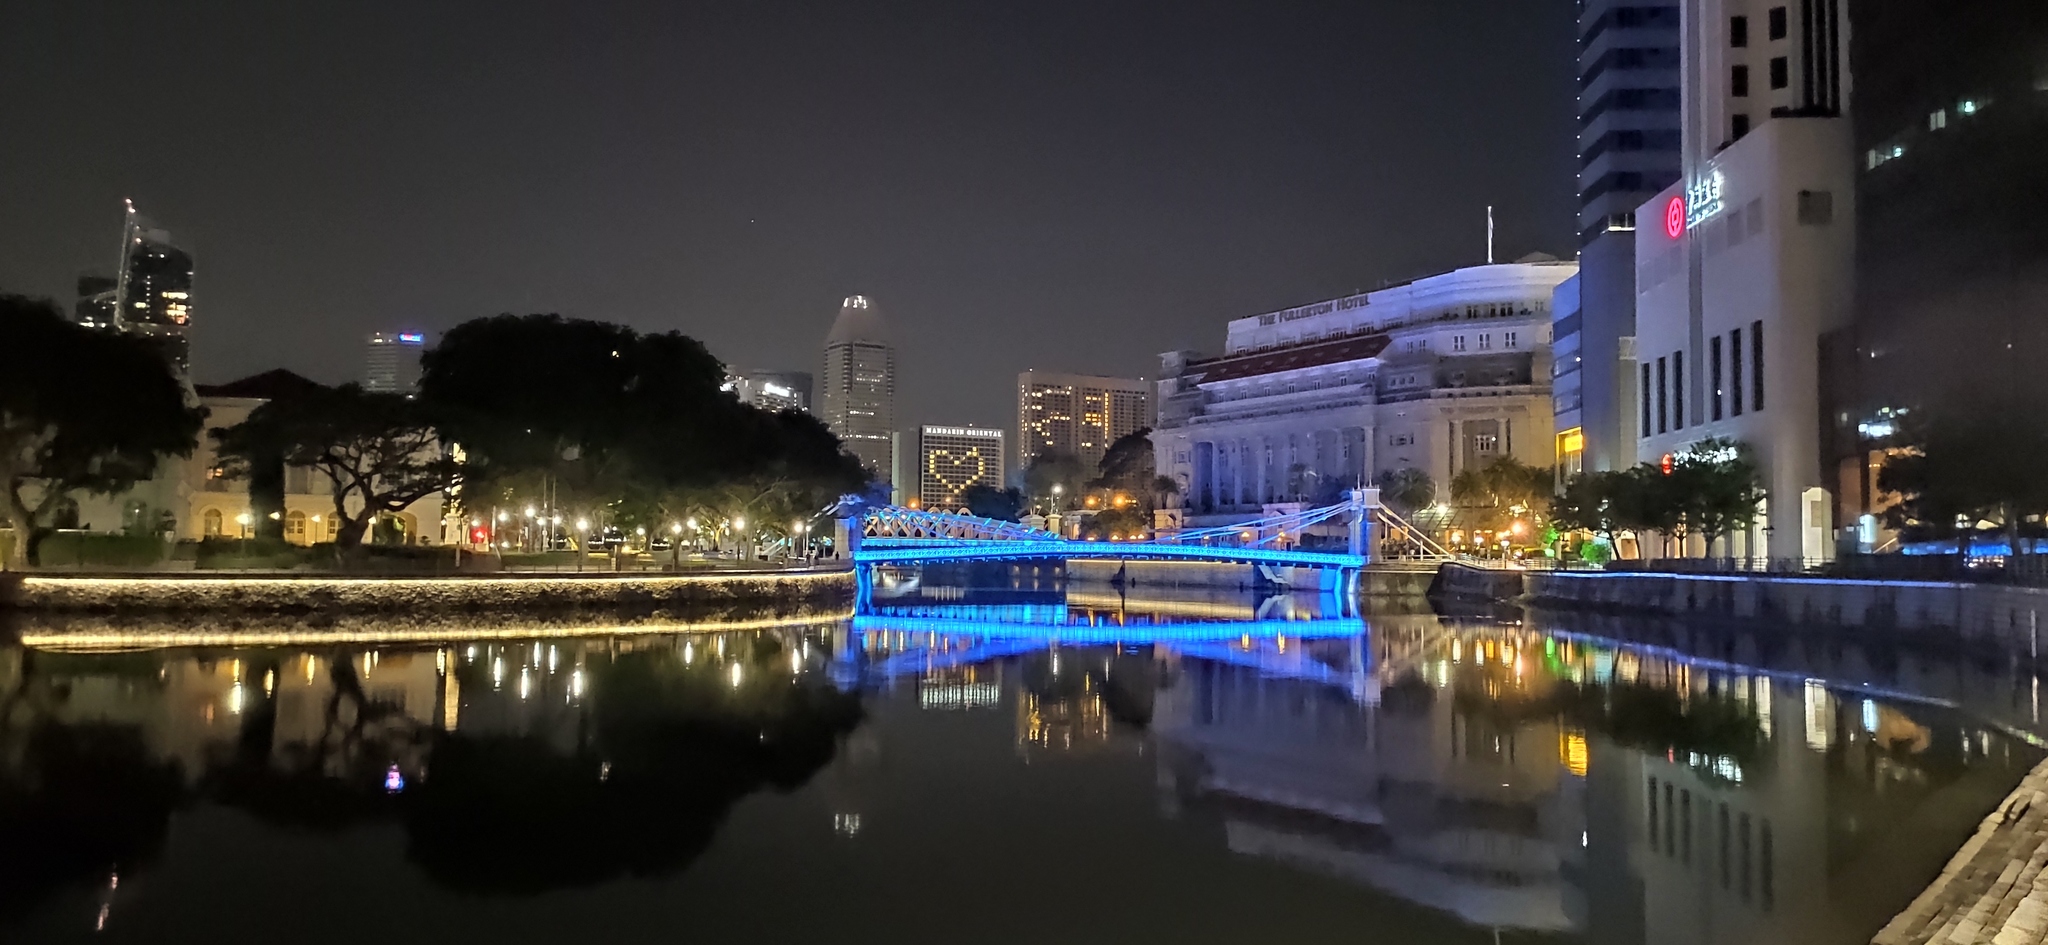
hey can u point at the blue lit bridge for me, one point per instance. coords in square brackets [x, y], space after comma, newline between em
[1338, 538]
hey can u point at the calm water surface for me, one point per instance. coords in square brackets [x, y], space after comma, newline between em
[1019, 764]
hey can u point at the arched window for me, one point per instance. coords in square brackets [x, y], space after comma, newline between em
[295, 527]
[210, 523]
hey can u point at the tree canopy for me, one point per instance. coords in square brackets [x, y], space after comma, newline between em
[81, 410]
[1054, 467]
[377, 452]
[1711, 491]
[611, 418]
[1127, 466]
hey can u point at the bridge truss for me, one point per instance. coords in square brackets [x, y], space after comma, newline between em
[892, 535]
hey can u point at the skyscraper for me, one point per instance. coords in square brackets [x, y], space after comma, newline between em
[859, 398]
[152, 295]
[951, 460]
[391, 361]
[1078, 413]
[1629, 145]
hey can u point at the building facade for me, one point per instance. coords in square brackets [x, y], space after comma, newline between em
[773, 391]
[859, 399]
[1078, 413]
[190, 498]
[391, 361]
[951, 460]
[1950, 110]
[1629, 142]
[1443, 374]
[1748, 263]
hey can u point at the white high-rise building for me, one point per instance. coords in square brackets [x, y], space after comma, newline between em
[859, 395]
[1746, 261]
[391, 361]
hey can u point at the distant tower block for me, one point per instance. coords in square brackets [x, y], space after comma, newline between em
[859, 396]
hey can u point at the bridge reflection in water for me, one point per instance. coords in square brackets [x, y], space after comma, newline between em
[1524, 776]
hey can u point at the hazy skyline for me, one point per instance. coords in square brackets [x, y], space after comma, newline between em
[1060, 186]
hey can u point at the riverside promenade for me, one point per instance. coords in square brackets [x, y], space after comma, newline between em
[288, 593]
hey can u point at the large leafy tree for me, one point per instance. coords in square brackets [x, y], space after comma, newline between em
[1128, 466]
[1593, 502]
[636, 426]
[378, 452]
[1051, 468]
[80, 411]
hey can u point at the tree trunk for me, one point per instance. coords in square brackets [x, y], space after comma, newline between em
[22, 520]
[352, 530]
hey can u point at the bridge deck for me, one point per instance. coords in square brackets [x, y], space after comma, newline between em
[916, 551]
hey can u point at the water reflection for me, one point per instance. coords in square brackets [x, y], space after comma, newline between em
[1609, 783]
[614, 756]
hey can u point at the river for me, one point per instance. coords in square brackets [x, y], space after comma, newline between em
[1009, 759]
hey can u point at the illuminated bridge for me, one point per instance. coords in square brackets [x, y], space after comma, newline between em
[888, 535]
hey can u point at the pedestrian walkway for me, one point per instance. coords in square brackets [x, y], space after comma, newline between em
[1995, 890]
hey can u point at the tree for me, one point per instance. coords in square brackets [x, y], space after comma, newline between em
[1128, 466]
[1055, 468]
[1589, 503]
[1408, 490]
[634, 425]
[80, 411]
[1717, 488]
[378, 452]
[1004, 505]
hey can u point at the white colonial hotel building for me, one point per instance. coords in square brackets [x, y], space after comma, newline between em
[1441, 374]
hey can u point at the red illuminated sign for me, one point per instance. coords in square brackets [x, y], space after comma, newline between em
[1674, 218]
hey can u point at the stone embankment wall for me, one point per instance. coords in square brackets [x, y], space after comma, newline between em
[1982, 616]
[481, 594]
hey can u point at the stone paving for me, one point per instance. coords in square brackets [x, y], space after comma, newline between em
[1995, 890]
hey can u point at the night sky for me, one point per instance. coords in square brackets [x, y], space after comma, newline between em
[1052, 185]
